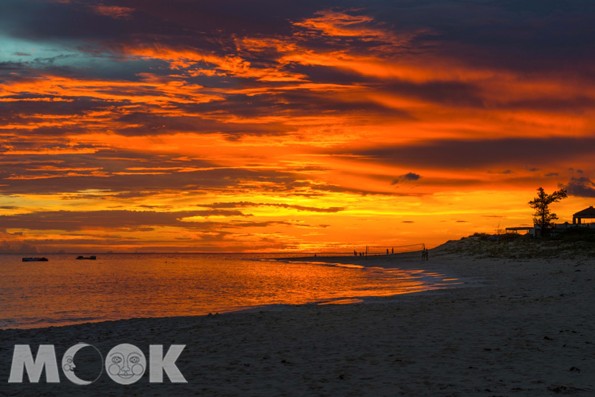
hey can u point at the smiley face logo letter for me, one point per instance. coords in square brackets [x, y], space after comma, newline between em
[125, 364]
[69, 367]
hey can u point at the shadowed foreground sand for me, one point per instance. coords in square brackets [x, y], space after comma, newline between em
[528, 329]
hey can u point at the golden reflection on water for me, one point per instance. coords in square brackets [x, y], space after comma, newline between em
[66, 291]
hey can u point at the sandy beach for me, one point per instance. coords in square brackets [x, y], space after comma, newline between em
[268, 198]
[521, 327]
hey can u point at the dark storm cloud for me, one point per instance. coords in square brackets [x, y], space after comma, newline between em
[477, 153]
[108, 161]
[327, 74]
[123, 172]
[530, 36]
[27, 104]
[547, 35]
[225, 178]
[441, 92]
[190, 21]
[533, 35]
[244, 204]
[576, 105]
[581, 187]
[294, 102]
[72, 220]
[540, 36]
[408, 177]
[129, 221]
[147, 124]
[503, 32]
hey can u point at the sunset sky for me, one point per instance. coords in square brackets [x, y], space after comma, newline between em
[233, 125]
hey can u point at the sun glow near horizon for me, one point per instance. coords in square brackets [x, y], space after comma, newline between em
[318, 128]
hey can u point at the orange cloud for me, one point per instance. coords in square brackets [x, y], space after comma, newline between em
[232, 64]
[333, 23]
[113, 11]
[152, 89]
[327, 115]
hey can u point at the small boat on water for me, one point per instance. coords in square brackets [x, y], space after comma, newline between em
[91, 258]
[35, 259]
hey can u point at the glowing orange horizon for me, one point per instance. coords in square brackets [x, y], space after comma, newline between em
[339, 131]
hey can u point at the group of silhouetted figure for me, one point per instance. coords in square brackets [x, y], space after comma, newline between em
[365, 253]
[424, 253]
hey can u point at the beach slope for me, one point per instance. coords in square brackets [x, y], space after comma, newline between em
[521, 327]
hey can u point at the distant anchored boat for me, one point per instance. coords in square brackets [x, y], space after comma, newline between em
[91, 258]
[35, 259]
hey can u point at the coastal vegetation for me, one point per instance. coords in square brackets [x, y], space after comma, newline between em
[570, 243]
[543, 217]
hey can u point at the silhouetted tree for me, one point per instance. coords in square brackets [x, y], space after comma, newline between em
[543, 217]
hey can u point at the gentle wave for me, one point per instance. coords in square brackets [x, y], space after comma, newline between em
[65, 291]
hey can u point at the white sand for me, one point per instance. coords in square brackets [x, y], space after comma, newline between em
[529, 330]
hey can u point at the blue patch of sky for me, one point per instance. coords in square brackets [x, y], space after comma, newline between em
[66, 55]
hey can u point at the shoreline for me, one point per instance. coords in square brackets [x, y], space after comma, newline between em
[529, 330]
[405, 261]
[372, 261]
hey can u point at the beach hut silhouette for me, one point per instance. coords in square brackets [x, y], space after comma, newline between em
[587, 213]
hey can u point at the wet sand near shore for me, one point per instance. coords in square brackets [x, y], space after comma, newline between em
[521, 327]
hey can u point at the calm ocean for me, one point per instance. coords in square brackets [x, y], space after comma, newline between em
[120, 286]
